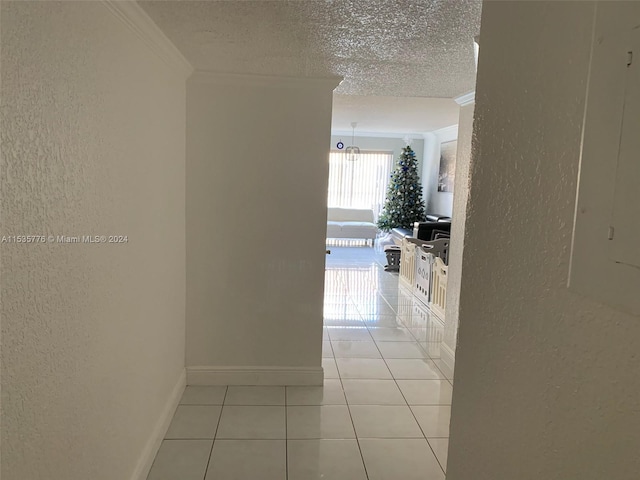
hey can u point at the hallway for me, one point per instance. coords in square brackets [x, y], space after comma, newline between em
[382, 414]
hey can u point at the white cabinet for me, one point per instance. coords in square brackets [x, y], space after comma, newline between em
[605, 261]
[625, 218]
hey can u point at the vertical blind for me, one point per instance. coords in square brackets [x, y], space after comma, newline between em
[361, 183]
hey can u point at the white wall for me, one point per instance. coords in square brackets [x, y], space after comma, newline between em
[256, 224]
[437, 202]
[390, 144]
[546, 381]
[93, 143]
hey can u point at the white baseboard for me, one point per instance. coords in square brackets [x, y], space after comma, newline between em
[212, 375]
[448, 357]
[153, 444]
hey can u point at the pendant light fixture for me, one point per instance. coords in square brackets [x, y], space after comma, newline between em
[353, 152]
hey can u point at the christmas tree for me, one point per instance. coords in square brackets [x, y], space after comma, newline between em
[404, 204]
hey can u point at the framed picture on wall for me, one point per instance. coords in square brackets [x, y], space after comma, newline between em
[447, 172]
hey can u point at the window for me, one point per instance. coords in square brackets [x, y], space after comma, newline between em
[361, 183]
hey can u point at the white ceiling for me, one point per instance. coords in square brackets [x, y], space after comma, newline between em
[395, 115]
[421, 49]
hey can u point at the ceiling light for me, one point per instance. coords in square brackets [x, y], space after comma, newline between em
[353, 152]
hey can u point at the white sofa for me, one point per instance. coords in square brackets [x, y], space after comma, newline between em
[351, 223]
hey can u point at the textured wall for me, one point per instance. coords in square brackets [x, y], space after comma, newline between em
[257, 172]
[93, 128]
[546, 380]
[460, 198]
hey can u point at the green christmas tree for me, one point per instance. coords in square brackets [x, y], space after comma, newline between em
[404, 204]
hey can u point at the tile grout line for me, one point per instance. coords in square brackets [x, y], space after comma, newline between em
[395, 380]
[443, 374]
[346, 399]
[215, 434]
[406, 404]
[380, 295]
[353, 425]
[417, 422]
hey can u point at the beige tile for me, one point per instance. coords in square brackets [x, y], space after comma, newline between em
[432, 349]
[252, 422]
[330, 368]
[330, 393]
[444, 368]
[345, 309]
[401, 350]
[327, 351]
[373, 392]
[349, 334]
[363, 368]
[382, 334]
[426, 392]
[399, 302]
[254, 395]
[406, 459]
[343, 321]
[384, 421]
[324, 460]
[196, 395]
[440, 447]
[349, 349]
[427, 334]
[382, 321]
[181, 459]
[434, 420]
[310, 422]
[194, 422]
[381, 308]
[414, 369]
[247, 459]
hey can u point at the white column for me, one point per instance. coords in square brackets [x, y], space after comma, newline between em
[257, 172]
[460, 197]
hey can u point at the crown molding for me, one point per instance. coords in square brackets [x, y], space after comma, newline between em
[466, 99]
[136, 19]
[394, 135]
[205, 76]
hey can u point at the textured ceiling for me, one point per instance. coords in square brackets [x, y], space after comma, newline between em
[420, 48]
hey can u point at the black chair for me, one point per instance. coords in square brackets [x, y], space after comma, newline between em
[424, 230]
[437, 234]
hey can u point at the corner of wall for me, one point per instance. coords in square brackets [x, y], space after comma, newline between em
[157, 435]
[138, 21]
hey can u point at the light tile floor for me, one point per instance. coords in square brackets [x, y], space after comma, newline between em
[382, 414]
